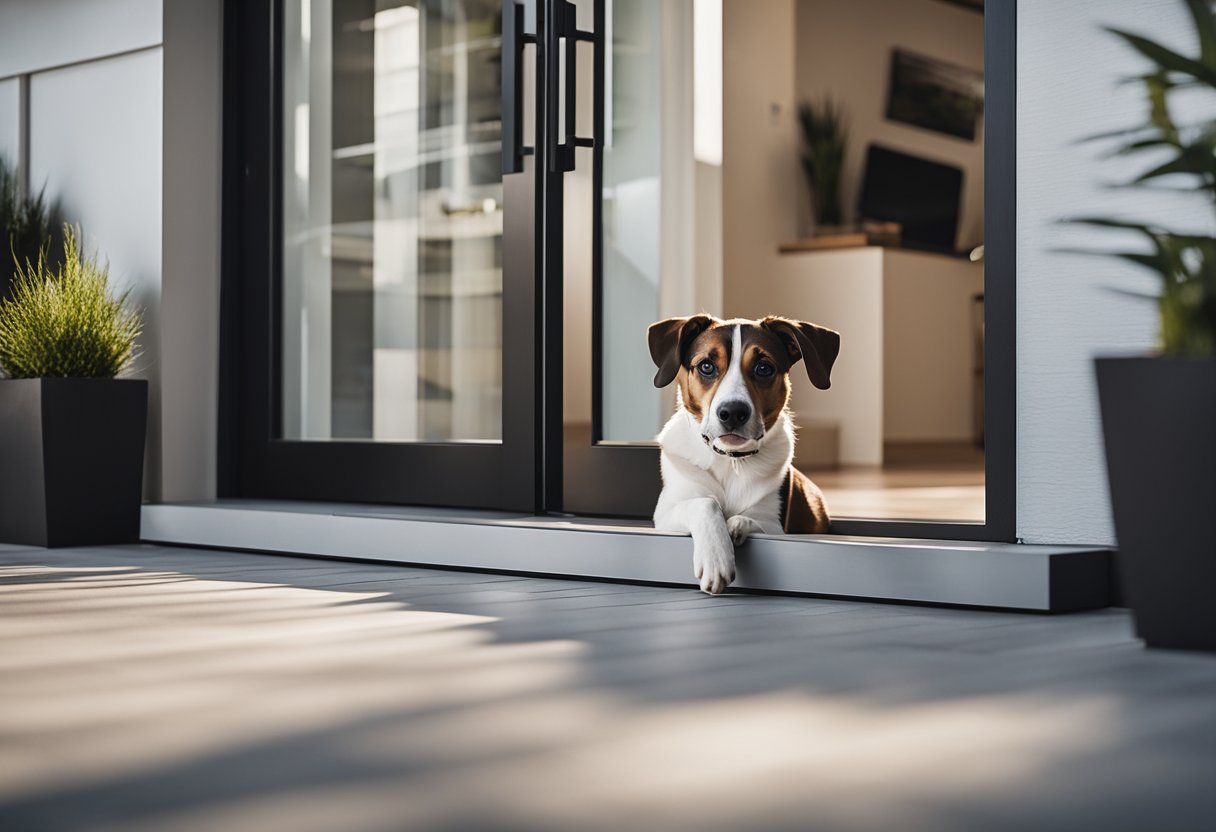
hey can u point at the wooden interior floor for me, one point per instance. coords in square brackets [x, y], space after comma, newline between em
[922, 481]
[148, 688]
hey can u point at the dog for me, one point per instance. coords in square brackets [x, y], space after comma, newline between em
[727, 451]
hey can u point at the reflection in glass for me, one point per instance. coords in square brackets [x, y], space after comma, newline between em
[392, 221]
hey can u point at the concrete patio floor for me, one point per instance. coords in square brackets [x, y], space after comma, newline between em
[150, 688]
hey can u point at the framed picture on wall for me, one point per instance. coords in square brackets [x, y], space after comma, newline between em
[935, 95]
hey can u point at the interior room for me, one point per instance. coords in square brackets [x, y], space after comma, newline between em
[709, 205]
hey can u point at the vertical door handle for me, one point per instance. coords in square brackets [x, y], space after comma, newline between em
[562, 25]
[513, 39]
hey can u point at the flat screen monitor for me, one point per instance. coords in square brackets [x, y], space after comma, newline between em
[922, 196]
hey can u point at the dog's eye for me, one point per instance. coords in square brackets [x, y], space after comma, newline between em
[707, 368]
[764, 370]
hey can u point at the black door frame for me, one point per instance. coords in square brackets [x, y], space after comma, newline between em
[254, 462]
[622, 479]
[527, 472]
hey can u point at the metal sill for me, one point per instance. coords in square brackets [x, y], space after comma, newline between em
[996, 575]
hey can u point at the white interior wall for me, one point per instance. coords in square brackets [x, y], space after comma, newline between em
[843, 290]
[760, 197]
[928, 349]
[843, 48]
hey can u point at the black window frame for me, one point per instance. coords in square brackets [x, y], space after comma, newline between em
[254, 462]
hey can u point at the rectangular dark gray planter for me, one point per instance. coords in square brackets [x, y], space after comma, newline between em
[1159, 422]
[71, 460]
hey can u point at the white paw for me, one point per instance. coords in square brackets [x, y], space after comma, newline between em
[714, 566]
[740, 527]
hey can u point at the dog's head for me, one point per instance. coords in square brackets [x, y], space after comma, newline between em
[733, 376]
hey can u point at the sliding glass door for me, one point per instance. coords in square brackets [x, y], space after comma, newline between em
[699, 194]
[395, 259]
[449, 223]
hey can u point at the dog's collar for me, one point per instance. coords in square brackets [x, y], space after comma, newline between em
[731, 454]
[735, 454]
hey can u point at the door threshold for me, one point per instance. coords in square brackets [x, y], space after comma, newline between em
[975, 574]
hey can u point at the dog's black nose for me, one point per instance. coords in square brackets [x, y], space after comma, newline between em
[734, 414]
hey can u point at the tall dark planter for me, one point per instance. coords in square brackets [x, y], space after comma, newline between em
[1159, 420]
[71, 460]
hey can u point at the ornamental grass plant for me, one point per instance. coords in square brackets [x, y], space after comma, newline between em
[66, 322]
[30, 223]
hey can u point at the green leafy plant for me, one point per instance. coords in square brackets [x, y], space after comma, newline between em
[1185, 262]
[824, 136]
[29, 226]
[67, 323]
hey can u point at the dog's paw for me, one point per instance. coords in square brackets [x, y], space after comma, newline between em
[740, 527]
[714, 567]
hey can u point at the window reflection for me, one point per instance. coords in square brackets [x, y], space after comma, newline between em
[392, 221]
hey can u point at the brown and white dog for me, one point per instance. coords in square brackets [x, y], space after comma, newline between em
[727, 451]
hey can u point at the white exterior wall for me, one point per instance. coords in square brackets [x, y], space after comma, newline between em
[10, 119]
[39, 34]
[1067, 73]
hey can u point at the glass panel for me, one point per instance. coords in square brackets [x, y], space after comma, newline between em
[392, 221]
[632, 221]
[707, 206]
[632, 199]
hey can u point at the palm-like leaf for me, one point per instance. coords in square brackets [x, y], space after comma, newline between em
[1168, 59]
[1186, 263]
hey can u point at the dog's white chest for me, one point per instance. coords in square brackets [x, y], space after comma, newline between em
[739, 485]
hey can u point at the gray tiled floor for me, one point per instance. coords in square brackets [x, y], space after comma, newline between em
[149, 688]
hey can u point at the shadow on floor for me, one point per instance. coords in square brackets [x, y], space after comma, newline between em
[151, 688]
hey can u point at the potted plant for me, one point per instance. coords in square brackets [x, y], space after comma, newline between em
[71, 433]
[824, 136]
[27, 223]
[1159, 411]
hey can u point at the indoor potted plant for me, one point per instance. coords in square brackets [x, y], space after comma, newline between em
[824, 137]
[71, 433]
[1159, 411]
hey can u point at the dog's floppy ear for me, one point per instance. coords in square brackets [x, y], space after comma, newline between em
[669, 341]
[815, 345]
